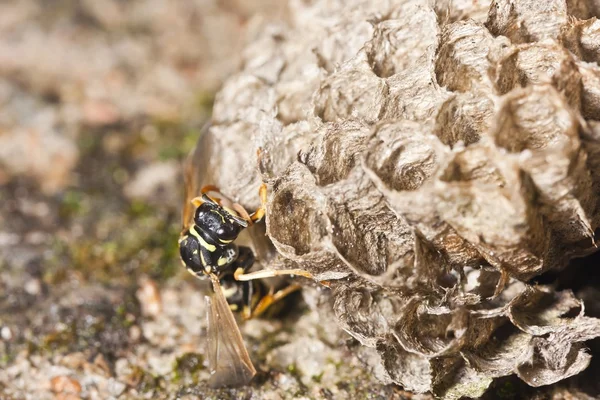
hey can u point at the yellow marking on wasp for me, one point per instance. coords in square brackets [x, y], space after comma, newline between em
[225, 241]
[219, 214]
[233, 307]
[203, 260]
[246, 312]
[209, 247]
[195, 252]
[229, 292]
[221, 261]
[237, 273]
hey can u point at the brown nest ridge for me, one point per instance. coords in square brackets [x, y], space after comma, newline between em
[428, 159]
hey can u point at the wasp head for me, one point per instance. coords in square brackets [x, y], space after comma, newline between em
[219, 223]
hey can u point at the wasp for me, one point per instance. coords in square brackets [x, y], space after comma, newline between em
[211, 224]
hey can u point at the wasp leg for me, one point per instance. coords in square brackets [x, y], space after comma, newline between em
[244, 262]
[265, 273]
[260, 212]
[247, 294]
[272, 298]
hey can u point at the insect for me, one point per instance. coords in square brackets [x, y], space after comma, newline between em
[211, 224]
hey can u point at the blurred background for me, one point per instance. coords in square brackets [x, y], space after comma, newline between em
[99, 103]
[100, 100]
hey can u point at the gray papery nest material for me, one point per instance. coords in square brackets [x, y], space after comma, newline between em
[428, 159]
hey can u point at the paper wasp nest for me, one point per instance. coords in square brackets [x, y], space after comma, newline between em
[428, 158]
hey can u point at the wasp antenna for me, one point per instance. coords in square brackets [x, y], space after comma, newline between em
[240, 221]
[243, 214]
[207, 199]
[209, 188]
[260, 213]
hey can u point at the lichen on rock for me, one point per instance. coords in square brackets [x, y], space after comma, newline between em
[430, 165]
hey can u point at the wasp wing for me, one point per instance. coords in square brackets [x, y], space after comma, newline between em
[196, 173]
[229, 362]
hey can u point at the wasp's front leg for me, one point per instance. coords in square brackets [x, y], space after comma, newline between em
[260, 212]
[245, 261]
[247, 297]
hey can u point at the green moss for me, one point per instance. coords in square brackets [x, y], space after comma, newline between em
[139, 209]
[292, 369]
[5, 356]
[506, 391]
[73, 203]
[58, 341]
[123, 316]
[144, 241]
[171, 150]
[337, 364]
[174, 140]
[144, 381]
[318, 378]
[88, 142]
[188, 364]
[205, 101]
[122, 239]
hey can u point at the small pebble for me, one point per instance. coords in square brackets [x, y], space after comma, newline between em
[159, 177]
[99, 113]
[33, 287]
[64, 384]
[102, 364]
[148, 295]
[6, 333]
[116, 388]
[135, 333]
[67, 396]
[73, 360]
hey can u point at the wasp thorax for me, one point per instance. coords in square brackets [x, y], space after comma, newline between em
[217, 223]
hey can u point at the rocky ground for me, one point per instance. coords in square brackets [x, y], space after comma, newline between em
[99, 103]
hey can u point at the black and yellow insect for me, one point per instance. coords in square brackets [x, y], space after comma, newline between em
[211, 225]
[207, 247]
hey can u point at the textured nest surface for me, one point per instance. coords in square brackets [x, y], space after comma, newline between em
[429, 159]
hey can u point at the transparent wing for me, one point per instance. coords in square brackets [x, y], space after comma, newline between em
[228, 359]
[196, 173]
